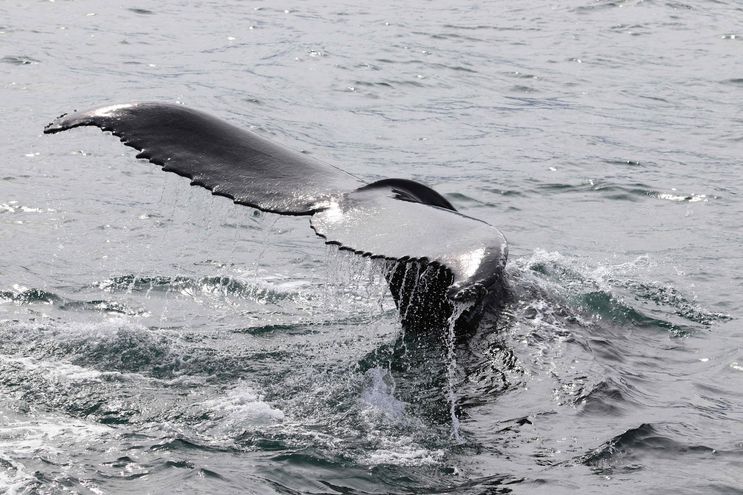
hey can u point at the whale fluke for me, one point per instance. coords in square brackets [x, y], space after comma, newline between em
[225, 159]
[459, 258]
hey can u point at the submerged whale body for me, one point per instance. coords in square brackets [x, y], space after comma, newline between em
[438, 260]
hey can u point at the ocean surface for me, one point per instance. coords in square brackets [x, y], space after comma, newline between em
[157, 339]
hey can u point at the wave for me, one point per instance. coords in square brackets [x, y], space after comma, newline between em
[214, 285]
[628, 450]
[576, 291]
[624, 192]
[24, 296]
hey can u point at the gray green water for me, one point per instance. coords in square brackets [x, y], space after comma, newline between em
[154, 339]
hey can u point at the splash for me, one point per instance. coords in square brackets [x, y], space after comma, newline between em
[378, 398]
[625, 293]
[236, 410]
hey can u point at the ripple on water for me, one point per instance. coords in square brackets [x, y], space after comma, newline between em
[19, 60]
[608, 397]
[30, 297]
[623, 191]
[629, 451]
[734, 82]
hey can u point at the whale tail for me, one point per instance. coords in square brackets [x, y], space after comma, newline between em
[457, 257]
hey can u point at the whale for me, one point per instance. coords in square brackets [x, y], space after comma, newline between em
[442, 267]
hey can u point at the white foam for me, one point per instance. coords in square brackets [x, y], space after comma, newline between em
[378, 404]
[691, 198]
[403, 452]
[14, 478]
[14, 207]
[239, 409]
[26, 437]
[54, 370]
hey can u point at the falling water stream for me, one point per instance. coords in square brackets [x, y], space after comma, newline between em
[451, 366]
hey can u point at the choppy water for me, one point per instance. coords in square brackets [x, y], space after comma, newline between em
[156, 339]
